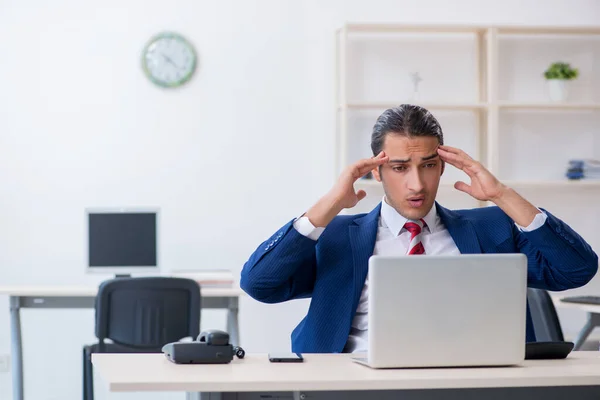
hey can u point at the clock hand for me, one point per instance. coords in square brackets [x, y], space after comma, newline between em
[168, 59]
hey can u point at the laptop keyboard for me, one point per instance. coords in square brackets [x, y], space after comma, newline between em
[582, 299]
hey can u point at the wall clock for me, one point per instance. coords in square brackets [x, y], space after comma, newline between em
[169, 60]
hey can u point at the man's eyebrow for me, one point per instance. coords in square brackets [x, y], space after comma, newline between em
[399, 161]
[430, 157]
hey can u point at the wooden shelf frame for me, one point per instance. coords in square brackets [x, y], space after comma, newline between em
[487, 107]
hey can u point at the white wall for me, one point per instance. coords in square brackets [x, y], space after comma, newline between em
[242, 149]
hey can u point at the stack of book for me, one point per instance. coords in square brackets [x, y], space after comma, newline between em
[583, 169]
[207, 278]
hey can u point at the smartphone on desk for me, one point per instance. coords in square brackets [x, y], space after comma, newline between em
[285, 357]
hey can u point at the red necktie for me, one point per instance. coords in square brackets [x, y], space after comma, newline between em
[415, 246]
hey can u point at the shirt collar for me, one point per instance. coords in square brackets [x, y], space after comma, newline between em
[395, 222]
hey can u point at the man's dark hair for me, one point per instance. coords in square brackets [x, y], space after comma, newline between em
[405, 120]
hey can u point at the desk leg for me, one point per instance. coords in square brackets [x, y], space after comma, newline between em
[233, 322]
[592, 322]
[16, 347]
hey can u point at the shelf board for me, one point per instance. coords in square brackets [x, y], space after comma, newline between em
[549, 106]
[583, 183]
[506, 29]
[566, 183]
[549, 30]
[477, 106]
[429, 106]
[393, 28]
[364, 183]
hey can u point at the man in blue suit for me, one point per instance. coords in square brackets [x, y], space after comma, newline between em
[324, 255]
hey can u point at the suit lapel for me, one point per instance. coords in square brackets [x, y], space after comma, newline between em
[461, 230]
[363, 233]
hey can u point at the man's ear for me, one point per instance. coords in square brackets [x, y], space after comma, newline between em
[377, 173]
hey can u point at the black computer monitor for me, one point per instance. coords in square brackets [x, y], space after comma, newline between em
[122, 241]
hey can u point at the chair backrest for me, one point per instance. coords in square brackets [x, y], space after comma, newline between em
[543, 313]
[147, 312]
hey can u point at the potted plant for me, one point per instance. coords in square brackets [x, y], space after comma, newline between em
[558, 75]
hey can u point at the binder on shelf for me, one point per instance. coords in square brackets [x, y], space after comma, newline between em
[583, 169]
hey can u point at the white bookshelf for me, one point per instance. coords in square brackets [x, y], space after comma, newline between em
[486, 88]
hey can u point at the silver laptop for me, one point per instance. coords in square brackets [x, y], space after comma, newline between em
[446, 311]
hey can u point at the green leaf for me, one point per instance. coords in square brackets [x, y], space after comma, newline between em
[561, 70]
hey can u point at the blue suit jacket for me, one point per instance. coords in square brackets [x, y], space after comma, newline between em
[333, 269]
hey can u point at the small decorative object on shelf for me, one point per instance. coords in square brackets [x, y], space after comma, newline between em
[558, 75]
[580, 169]
[416, 79]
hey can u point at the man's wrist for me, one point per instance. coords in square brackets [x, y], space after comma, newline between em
[306, 228]
[323, 211]
[516, 207]
[539, 220]
[503, 195]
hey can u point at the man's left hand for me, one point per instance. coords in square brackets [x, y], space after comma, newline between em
[484, 186]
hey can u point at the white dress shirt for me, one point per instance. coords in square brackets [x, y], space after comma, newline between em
[393, 240]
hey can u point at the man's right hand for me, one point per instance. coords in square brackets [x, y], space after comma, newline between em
[342, 194]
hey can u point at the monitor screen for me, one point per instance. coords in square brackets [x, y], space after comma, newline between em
[122, 240]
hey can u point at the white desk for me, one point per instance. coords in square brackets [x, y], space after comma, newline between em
[336, 376]
[83, 297]
[593, 321]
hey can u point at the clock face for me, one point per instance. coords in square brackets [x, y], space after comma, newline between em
[169, 60]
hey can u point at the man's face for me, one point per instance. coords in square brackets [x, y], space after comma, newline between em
[411, 177]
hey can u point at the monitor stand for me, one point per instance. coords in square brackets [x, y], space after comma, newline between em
[122, 276]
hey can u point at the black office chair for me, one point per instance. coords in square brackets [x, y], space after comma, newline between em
[543, 313]
[140, 315]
